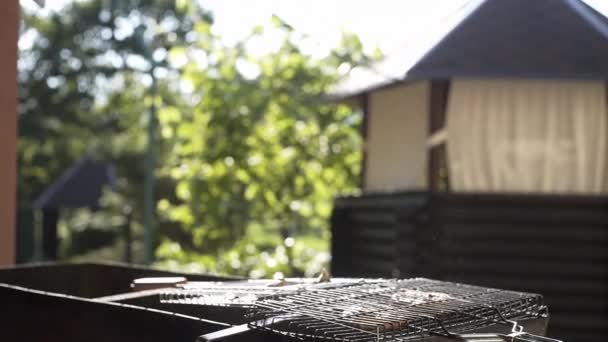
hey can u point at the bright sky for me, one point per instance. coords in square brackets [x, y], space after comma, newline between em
[388, 24]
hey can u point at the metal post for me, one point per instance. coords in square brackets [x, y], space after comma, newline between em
[150, 164]
[50, 240]
[128, 257]
[38, 229]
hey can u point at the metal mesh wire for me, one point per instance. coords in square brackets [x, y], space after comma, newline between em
[230, 296]
[390, 310]
[244, 294]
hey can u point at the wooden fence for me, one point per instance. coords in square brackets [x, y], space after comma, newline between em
[553, 245]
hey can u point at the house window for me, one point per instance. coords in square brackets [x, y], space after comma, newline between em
[527, 136]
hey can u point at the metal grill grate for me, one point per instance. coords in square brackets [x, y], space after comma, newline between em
[246, 293]
[390, 310]
[229, 296]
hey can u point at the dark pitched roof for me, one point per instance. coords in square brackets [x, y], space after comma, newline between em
[496, 38]
[79, 186]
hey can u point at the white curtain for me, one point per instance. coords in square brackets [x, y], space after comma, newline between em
[527, 136]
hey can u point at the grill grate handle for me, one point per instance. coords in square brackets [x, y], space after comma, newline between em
[517, 335]
[513, 337]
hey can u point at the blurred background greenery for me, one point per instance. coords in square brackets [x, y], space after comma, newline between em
[249, 153]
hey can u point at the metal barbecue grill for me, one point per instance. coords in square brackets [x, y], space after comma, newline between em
[372, 310]
[121, 303]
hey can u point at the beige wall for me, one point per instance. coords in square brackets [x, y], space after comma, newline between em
[9, 24]
[397, 130]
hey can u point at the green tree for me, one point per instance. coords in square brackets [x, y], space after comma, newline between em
[260, 157]
[84, 79]
[251, 154]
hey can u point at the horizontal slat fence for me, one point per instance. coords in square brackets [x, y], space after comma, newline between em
[366, 241]
[553, 245]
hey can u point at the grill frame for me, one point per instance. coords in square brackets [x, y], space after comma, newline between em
[57, 302]
[134, 314]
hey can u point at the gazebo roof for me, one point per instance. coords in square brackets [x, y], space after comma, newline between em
[79, 186]
[555, 39]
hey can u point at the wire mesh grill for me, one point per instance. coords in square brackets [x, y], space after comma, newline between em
[229, 296]
[245, 294]
[391, 310]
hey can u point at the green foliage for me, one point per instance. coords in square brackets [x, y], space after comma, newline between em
[250, 153]
[83, 85]
[259, 159]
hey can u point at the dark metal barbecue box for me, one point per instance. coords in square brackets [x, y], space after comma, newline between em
[109, 302]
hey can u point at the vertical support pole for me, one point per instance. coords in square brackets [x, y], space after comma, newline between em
[438, 182]
[9, 33]
[149, 202]
[127, 235]
[341, 242]
[364, 136]
[50, 242]
[439, 93]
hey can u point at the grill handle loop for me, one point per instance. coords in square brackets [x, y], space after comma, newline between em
[513, 337]
[517, 335]
[525, 337]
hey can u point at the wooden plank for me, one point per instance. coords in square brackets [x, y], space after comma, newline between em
[368, 217]
[577, 336]
[591, 321]
[525, 267]
[368, 250]
[506, 232]
[9, 32]
[581, 303]
[540, 251]
[514, 200]
[541, 284]
[366, 267]
[526, 215]
[374, 234]
[398, 200]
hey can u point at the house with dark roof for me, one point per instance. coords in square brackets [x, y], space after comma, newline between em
[486, 159]
[514, 89]
[79, 186]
